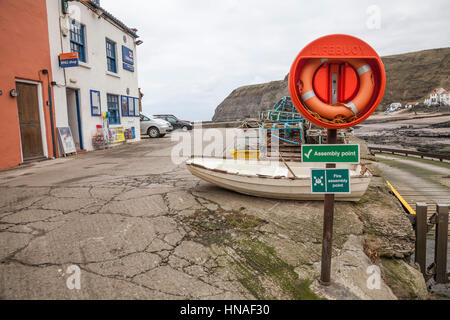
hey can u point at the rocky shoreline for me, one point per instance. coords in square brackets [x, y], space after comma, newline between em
[424, 132]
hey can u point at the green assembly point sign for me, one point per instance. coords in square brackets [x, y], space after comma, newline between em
[331, 153]
[330, 181]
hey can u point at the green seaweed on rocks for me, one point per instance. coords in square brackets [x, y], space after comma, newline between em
[260, 265]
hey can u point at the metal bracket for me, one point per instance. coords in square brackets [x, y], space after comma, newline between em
[431, 271]
[433, 219]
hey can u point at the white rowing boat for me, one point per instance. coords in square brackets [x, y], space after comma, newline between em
[273, 179]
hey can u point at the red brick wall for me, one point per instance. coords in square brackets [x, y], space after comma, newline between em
[24, 52]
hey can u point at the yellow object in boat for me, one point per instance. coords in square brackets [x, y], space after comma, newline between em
[245, 154]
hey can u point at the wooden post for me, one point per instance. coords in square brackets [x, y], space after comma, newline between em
[440, 253]
[328, 217]
[421, 236]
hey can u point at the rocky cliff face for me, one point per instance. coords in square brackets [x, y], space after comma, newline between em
[410, 77]
[249, 101]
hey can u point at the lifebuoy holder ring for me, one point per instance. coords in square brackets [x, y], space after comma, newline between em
[345, 50]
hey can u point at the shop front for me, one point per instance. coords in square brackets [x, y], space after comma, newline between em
[95, 71]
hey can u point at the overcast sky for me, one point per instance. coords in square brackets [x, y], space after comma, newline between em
[196, 52]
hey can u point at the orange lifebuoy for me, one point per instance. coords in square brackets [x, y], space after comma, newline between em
[340, 111]
[340, 91]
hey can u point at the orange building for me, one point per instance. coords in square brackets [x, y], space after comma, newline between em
[27, 131]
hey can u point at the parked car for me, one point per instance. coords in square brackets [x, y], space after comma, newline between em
[175, 122]
[155, 128]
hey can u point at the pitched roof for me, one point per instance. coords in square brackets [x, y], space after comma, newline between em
[438, 91]
[113, 18]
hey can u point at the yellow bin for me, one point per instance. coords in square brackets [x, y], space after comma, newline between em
[245, 154]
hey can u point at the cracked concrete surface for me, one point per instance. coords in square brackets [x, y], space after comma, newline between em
[119, 222]
[140, 227]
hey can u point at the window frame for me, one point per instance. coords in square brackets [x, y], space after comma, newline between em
[109, 57]
[137, 105]
[122, 104]
[82, 54]
[99, 103]
[111, 95]
[130, 99]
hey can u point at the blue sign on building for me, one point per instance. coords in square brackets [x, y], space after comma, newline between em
[67, 60]
[128, 67]
[127, 55]
[68, 63]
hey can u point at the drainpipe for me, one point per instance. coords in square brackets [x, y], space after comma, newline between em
[50, 106]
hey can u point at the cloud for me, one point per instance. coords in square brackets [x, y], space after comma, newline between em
[196, 52]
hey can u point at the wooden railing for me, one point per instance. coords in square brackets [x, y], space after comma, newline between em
[422, 225]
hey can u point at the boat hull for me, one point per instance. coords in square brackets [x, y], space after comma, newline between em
[275, 187]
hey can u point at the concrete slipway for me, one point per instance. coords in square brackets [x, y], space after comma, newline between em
[140, 227]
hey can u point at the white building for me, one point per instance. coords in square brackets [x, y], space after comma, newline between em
[435, 97]
[445, 98]
[395, 106]
[106, 78]
[410, 105]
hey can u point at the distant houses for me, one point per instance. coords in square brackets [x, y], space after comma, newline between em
[410, 105]
[445, 98]
[438, 96]
[394, 107]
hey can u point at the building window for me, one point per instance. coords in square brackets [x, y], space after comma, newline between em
[96, 108]
[111, 56]
[130, 106]
[77, 39]
[137, 107]
[113, 109]
[125, 107]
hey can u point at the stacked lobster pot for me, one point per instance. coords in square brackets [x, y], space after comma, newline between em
[319, 136]
[283, 140]
[284, 130]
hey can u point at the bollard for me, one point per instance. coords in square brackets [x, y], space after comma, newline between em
[421, 236]
[440, 252]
